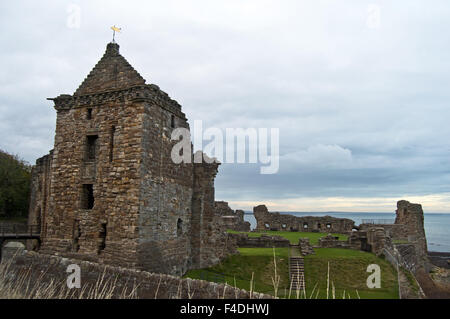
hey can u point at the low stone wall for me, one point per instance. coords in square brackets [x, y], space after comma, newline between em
[264, 241]
[332, 242]
[46, 268]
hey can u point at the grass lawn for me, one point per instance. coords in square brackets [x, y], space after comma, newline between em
[292, 236]
[237, 270]
[348, 271]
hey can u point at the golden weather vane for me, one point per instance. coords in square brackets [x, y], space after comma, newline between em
[115, 29]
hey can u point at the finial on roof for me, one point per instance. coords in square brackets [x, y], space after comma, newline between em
[115, 29]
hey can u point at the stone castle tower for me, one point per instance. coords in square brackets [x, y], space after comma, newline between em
[109, 191]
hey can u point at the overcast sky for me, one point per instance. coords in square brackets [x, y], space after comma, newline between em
[359, 89]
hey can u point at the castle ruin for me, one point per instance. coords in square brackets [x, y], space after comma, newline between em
[109, 192]
[404, 240]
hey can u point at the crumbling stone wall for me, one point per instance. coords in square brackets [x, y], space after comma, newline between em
[412, 217]
[376, 238]
[231, 219]
[282, 222]
[409, 228]
[210, 241]
[305, 247]
[330, 241]
[48, 268]
[414, 253]
[39, 195]
[373, 240]
[110, 192]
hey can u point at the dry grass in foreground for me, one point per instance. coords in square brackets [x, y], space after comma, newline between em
[24, 285]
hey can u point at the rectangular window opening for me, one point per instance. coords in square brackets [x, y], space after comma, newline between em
[111, 143]
[91, 147]
[102, 238]
[87, 200]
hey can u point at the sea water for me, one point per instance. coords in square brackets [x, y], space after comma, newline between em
[437, 226]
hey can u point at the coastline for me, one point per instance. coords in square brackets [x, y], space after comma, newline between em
[436, 225]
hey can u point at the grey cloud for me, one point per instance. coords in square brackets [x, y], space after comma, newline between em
[361, 112]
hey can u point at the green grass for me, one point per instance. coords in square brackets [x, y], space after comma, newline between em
[348, 271]
[411, 281]
[292, 236]
[237, 270]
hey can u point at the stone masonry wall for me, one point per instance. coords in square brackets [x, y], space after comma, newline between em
[264, 241]
[409, 228]
[411, 215]
[113, 171]
[109, 192]
[283, 222]
[371, 240]
[165, 210]
[209, 239]
[231, 219]
[39, 195]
